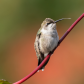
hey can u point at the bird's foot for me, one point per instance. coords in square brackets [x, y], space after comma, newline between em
[38, 71]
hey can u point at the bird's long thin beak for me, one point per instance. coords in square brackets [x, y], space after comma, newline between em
[61, 19]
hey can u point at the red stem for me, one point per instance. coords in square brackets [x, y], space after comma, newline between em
[43, 62]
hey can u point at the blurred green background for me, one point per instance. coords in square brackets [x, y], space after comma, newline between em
[19, 23]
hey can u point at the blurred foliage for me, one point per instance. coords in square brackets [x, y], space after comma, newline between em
[4, 82]
[16, 14]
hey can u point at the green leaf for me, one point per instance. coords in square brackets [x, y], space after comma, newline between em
[2, 81]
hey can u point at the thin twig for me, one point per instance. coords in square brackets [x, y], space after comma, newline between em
[43, 62]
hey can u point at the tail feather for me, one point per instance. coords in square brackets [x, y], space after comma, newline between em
[41, 58]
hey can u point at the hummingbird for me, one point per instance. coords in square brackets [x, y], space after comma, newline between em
[46, 39]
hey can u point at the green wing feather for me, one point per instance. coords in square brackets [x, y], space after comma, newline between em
[39, 31]
[37, 42]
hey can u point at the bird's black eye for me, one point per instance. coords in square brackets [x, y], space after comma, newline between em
[48, 23]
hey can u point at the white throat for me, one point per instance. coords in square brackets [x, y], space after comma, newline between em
[49, 30]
